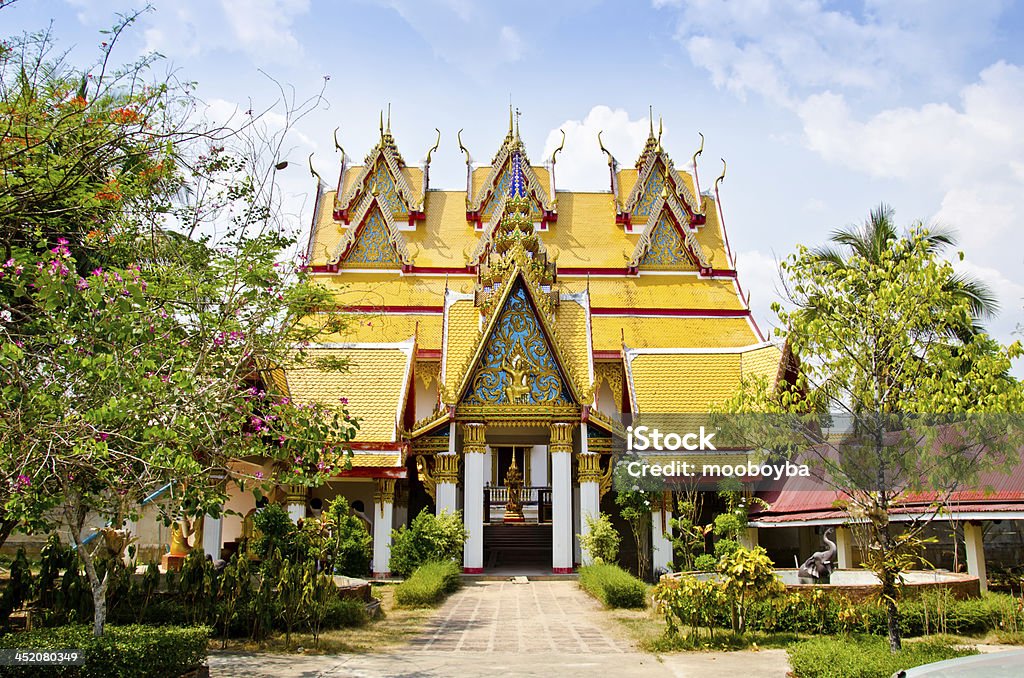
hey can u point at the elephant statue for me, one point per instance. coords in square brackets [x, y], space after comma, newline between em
[818, 568]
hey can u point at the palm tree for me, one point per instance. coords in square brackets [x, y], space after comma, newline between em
[875, 236]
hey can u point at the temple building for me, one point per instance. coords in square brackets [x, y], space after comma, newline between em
[497, 334]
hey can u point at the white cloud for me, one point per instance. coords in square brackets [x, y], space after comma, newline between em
[582, 165]
[759, 278]
[972, 154]
[783, 48]
[262, 29]
[511, 43]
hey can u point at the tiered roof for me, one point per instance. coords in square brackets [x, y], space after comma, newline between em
[636, 281]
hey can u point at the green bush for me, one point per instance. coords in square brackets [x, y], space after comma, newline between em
[344, 613]
[601, 542]
[351, 546]
[429, 584]
[122, 651]
[865, 657]
[276, 531]
[705, 562]
[428, 538]
[613, 586]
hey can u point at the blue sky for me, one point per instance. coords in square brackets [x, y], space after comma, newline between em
[821, 109]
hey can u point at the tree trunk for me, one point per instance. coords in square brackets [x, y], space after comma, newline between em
[96, 585]
[6, 527]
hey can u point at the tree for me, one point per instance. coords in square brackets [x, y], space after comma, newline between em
[146, 303]
[872, 242]
[879, 343]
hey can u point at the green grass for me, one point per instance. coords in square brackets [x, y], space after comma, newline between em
[613, 586]
[866, 656]
[429, 584]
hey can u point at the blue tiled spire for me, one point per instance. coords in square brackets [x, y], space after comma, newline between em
[517, 185]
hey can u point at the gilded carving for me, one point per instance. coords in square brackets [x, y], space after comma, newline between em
[426, 477]
[446, 468]
[385, 493]
[517, 365]
[590, 468]
[561, 437]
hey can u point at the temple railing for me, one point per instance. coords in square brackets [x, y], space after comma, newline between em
[539, 496]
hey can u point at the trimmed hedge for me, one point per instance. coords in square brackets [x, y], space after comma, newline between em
[613, 586]
[122, 651]
[429, 584]
[865, 657]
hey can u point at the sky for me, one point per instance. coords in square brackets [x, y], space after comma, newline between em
[821, 109]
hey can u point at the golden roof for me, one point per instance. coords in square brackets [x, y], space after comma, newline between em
[693, 381]
[375, 384]
[377, 460]
[661, 332]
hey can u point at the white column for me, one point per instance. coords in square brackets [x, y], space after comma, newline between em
[446, 471]
[660, 542]
[475, 458]
[539, 466]
[295, 502]
[748, 537]
[976, 554]
[844, 548]
[577, 554]
[590, 488]
[561, 498]
[213, 529]
[383, 519]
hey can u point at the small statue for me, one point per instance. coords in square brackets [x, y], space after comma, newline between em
[179, 544]
[818, 568]
[514, 484]
[517, 389]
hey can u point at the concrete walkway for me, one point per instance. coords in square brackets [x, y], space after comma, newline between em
[539, 629]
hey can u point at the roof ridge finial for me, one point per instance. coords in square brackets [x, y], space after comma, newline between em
[518, 113]
[389, 118]
[510, 117]
[650, 120]
[382, 123]
[661, 128]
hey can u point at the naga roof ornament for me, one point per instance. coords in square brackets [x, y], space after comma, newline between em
[485, 206]
[383, 167]
[655, 171]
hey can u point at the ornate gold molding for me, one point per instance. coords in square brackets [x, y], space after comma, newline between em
[295, 494]
[606, 477]
[590, 468]
[473, 438]
[446, 468]
[426, 477]
[385, 493]
[561, 437]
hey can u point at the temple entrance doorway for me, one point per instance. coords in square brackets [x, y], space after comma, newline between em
[517, 510]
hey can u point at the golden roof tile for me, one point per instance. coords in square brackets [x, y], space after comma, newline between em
[662, 332]
[463, 333]
[375, 384]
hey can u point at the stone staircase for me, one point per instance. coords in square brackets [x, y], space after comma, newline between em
[511, 544]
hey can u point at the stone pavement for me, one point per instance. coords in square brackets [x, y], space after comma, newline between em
[539, 629]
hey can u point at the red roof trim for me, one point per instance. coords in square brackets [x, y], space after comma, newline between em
[679, 312]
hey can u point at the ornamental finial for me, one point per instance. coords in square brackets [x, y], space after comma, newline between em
[436, 144]
[721, 177]
[518, 113]
[337, 146]
[382, 124]
[650, 120]
[611, 160]
[699, 150]
[312, 171]
[661, 128]
[559, 148]
[510, 118]
[463, 148]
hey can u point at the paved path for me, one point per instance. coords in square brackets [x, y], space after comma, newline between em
[540, 629]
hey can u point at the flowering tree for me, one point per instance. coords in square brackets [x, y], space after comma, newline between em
[880, 343]
[145, 303]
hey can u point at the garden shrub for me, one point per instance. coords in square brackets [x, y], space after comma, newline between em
[428, 538]
[602, 540]
[344, 613]
[865, 657]
[613, 586]
[276, 531]
[705, 562]
[122, 651]
[351, 545]
[428, 584]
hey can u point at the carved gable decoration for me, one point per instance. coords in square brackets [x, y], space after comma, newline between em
[652, 189]
[382, 176]
[494, 202]
[666, 247]
[517, 364]
[375, 242]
